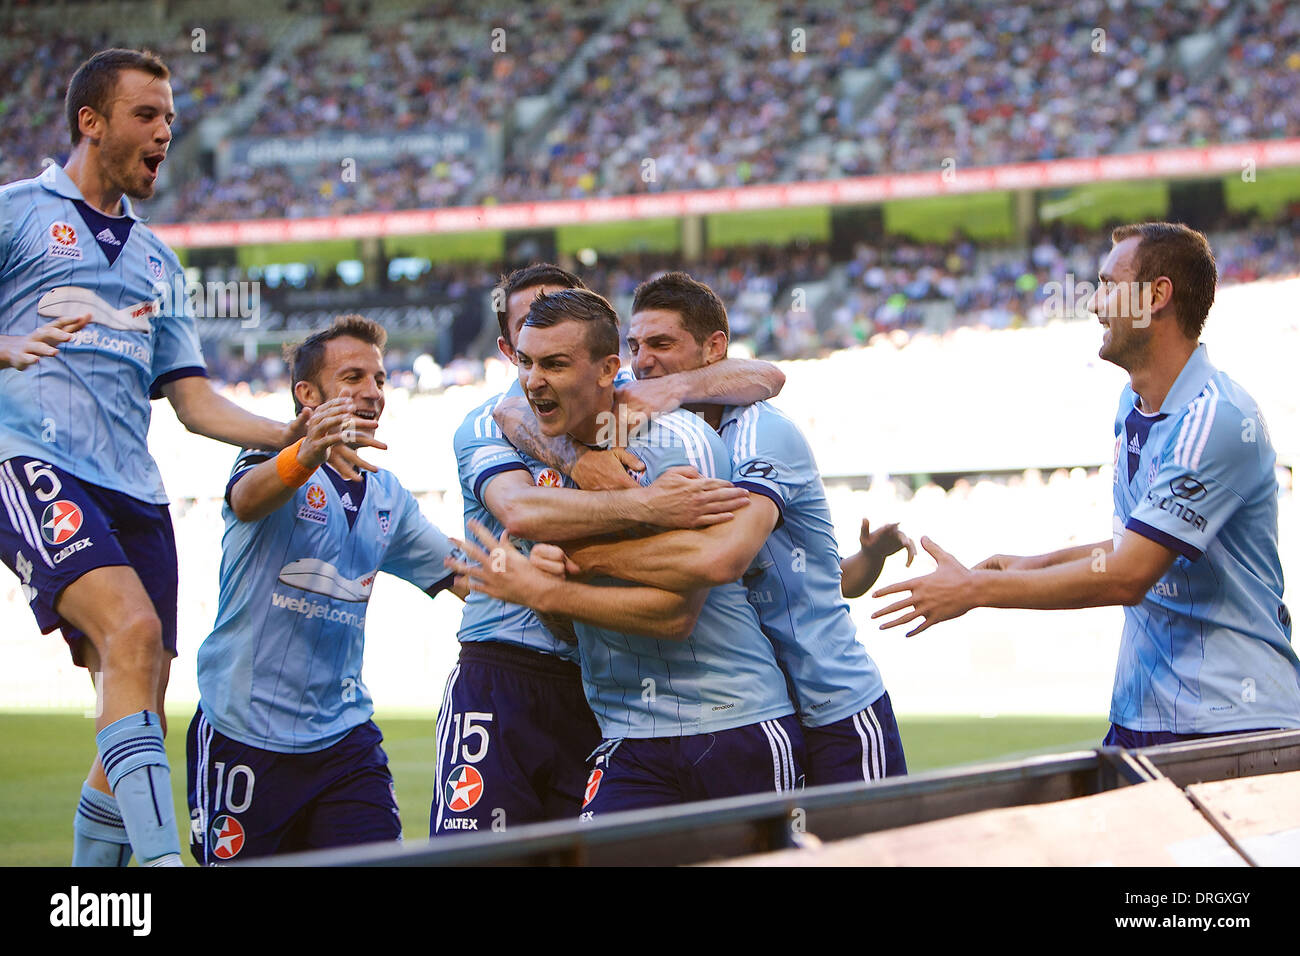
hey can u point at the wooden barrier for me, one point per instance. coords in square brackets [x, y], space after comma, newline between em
[1149, 824]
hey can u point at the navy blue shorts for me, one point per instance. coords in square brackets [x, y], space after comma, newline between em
[862, 746]
[514, 732]
[246, 802]
[629, 773]
[1120, 736]
[55, 528]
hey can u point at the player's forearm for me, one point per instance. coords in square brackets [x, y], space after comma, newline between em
[516, 420]
[205, 412]
[647, 611]
[674, 560]
[1079, 583]
[564, 514]
[259, 492]
[858, 572]
[1063, 556]
[732, 381]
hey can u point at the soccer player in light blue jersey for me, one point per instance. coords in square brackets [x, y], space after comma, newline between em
[84, 346]
[283, 754]
[789, 560]
[1193, 556]
[690, 701]
[514, 729]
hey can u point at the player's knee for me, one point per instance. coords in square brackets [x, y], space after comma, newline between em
[134, 642]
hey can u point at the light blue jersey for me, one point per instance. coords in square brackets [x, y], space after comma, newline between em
[281, 670]
[725, 675]
[482, 453]
[1209, 648]
[87, 410]
[794, 582]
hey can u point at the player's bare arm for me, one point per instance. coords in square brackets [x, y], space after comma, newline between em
[330, 427]
[204, 411]
[591, 469]
[859, 571]
[1121, 576]
[500, 571]
[729, 381]
[686, 559]
[23, 351]
[1012, 562]
[678, 498]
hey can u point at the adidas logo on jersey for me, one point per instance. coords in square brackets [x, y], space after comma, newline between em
[1134, 446]
[106, 235]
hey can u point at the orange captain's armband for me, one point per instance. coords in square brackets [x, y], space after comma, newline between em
[290, 470]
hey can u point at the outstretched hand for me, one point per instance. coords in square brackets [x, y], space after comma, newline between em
[942, 595]
[885, 541]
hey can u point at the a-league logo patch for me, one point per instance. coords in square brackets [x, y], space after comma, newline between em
[464, 788]
[549, 478]
[316, 498]
[63, 241]
[155, 267]
[385, 521]
[593, 785]
[61, 521]
[227, 837]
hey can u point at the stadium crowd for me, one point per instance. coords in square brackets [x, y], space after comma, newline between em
[715, 96]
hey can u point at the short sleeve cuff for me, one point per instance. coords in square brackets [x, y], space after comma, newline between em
[188, 371]
[769, 492]
[489, 473]
[1164, 538]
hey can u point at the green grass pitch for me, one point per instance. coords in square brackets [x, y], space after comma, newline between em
[46, 755]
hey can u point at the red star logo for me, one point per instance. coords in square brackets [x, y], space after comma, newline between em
[60, 522]
[464, 788]
[227, 837]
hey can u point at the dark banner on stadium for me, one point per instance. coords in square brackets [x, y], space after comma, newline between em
[335, 147]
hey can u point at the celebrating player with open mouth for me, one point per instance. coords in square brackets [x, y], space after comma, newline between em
[85, 523]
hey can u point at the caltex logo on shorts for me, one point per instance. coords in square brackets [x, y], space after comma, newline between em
[464, 788]
[227, 837]
[61, 521]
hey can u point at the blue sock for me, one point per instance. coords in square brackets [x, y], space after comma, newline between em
[99, 835]
[131, 750]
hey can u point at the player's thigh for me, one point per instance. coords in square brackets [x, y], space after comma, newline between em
[863, 746]
[576, 735]
[243, 801]
[361, 808]
[765, 756]
[492, 751]
[626, 774]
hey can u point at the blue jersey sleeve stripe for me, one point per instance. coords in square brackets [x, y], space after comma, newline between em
[1163, 537]
[440, 585]
[770, 493]
[188, 371]
[492, 472]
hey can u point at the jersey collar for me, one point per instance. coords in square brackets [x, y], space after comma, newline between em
[1191, 381]
[57, 181]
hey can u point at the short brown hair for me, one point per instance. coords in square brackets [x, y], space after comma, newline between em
[534, 276]
[579, 305]
[701, 310]
[95, 82]
[306, 358]
[1182, 255]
